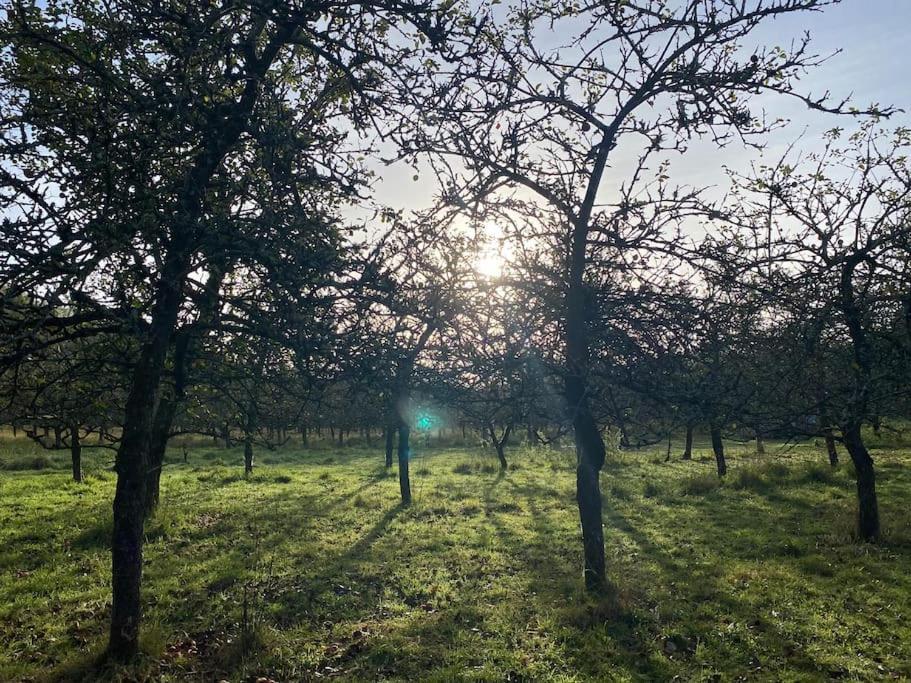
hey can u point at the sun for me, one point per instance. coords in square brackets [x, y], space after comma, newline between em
[489, 264]
[491, 251]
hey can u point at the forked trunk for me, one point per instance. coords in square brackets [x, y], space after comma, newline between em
[499, 444]
[718, 449]
[168, 403]
[404, 455]
[867, 505]
[132, 462]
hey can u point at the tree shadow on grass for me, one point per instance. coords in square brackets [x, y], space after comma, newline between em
[630, 621]
[315, 593]
[692, 597]
[674, 597]
[601, 632]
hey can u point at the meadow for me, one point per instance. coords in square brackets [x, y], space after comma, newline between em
[310, 569]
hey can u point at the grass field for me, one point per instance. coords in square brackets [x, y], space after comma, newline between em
[310, 569]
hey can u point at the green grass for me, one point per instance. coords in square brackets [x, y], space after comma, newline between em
[756, 577]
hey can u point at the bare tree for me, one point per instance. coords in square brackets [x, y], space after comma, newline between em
[533, 121]
[840, 218]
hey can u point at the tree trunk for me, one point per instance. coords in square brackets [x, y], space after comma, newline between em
[132, 461]
[588, 497]
[499, 444]
[76, 453]
[867, 505]
[404, 455]
[169, 402]
[827, 434]
[226, 434]
[248, 454]
[341, 436]
[718, 449]
[589, 444]
[760, 444]
[624, 437]
[501, 455]
[589, 455]
[390, 443]
[830, 447]
[130, 506]
[304, 435]
[58, 437]
[153, 480]
[250, 427]
[126, 561]
[688, 445]
[161, 429]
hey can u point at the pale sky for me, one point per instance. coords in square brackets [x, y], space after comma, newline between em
[875, 38]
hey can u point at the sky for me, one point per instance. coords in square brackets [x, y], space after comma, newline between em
[874, 65]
